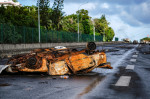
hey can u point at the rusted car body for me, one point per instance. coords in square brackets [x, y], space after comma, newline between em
[59, 61]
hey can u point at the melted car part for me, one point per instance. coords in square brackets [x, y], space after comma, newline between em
[33, 63]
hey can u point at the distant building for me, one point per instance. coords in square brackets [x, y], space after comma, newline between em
[6, 3]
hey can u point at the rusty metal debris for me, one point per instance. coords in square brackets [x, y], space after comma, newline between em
[59, 61]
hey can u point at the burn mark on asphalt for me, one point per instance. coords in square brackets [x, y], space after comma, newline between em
[91, 86]
[5, 84]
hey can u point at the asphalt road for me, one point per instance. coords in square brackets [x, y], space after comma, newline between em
[98, 84]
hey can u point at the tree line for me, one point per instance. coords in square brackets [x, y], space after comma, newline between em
[146, 38]
[53, 18]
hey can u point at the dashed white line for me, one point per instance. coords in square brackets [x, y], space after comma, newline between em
[135, 56]
[133, 60]
[123, 81]
[137, 53]
[130, 67]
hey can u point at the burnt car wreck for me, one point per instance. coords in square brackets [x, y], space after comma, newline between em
[58, 61]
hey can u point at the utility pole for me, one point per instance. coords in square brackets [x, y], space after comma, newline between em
[39, 21]
[93, 30]
[78, 26]
[104, 34]
[94, 33]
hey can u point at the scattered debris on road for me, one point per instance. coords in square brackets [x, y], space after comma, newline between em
[64, 76]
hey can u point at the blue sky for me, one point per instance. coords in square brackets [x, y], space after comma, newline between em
[27, 2]
[128, 18]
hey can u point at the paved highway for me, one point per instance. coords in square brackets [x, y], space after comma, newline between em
[129, 79]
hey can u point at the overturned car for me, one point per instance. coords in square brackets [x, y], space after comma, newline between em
[58, 61]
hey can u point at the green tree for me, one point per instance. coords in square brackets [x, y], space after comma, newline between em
[146, 38]
[99, 27]
[70, 23]
[84, 20]
[15, 0]
[20, 16]
[57, 14]
[2, 10]
[86, 26]
[103, 29]
[44, 6]
[109, 34]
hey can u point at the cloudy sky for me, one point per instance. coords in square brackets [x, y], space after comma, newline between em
[128, 18]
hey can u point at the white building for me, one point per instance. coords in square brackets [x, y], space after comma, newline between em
[6, 3]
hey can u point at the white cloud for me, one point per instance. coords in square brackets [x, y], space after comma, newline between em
[128, 18]
[141, 12]
[89, 6]
[105, 5]
[123, 30]
[145, 7]
[70, 8]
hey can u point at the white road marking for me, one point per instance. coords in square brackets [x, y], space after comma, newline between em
[130, 67]
[133, 60]
[123, 81]
[137, 53]
[135, 56]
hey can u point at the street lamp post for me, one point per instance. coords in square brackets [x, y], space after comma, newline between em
[78, 26]
[104, 35]
[39, 21]
[94, 33]
[93, 30]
